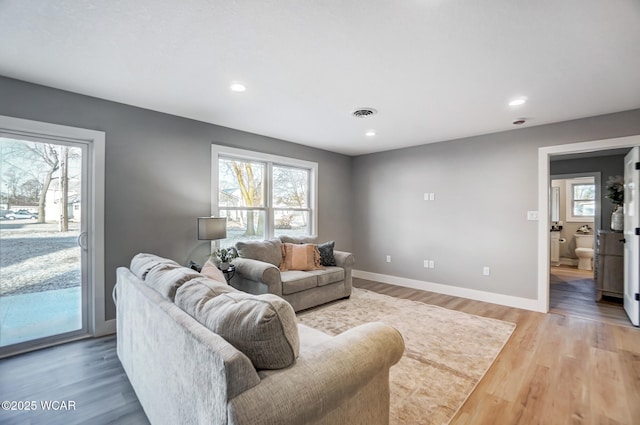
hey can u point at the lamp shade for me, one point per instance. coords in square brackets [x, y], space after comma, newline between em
[211, 228]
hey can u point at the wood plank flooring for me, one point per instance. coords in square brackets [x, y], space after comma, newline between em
[555, 369]
[86, 372]
[572, 293]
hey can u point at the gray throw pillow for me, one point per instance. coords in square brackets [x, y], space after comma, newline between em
[266, 251]
[191, 296]
[297, 239]
[263, 327]
[142, 263]
[167, 278]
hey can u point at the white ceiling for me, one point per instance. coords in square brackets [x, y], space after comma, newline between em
[435, 70]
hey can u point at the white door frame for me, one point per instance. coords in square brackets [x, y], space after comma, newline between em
[544, 181]
[631, 249]
[97, 324]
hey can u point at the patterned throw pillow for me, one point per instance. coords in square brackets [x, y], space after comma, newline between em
[300, 257]
[326, 253]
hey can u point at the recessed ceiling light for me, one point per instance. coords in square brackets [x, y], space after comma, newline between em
[519, 101]
[370, 133]
[237, 87]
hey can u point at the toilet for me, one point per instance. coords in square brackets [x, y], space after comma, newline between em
[584, 251]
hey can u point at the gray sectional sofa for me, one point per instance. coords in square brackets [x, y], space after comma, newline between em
[257, 272]
[198, 351]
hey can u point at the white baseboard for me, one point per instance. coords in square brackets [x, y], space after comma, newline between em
[456, 291]
[566, 261]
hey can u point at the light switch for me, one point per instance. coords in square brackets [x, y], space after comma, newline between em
[532, 215]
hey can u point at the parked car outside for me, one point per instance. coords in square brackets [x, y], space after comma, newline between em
[20, 215]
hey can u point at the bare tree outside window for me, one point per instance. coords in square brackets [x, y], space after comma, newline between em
[28, 172]
[584, 196]
[242, 189]
[243, 186]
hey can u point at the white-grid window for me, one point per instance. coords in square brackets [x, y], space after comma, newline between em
[263, 195]
[581, 199]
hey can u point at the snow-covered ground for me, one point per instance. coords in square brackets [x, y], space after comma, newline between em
[37, 257]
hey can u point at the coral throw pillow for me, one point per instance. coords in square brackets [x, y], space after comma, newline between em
[300, 257]
[211, 271]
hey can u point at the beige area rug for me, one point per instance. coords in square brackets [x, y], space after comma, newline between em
[447, 352]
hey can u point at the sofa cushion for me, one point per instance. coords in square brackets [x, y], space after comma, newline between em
[263, 326]
[296, 281]
[297, 239]
[191, 296]
[266, 251]
[329, 275]
[167, 278]
[326, 253]
[300, 257]
[142, 263]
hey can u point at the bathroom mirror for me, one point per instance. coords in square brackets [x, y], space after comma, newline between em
[555, 203]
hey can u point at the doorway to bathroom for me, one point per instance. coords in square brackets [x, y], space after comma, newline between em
[579, 212]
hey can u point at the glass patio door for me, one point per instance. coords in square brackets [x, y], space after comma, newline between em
[43, 244]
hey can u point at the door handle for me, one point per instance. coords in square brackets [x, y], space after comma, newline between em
[82, 241]
[623, 240]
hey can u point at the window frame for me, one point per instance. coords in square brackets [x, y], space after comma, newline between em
[94, 145]
[220, 151]
[570, 217]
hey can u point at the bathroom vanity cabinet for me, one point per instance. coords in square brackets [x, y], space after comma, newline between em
[555, 248]
[609, 270]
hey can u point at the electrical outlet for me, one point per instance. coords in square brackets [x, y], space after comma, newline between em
[486, 270]
[388, 258]
[532, 215]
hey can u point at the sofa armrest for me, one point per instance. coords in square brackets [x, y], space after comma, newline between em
[322, 379]
[259, 271]
[344, 259]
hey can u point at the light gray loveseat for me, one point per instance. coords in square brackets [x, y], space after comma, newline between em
[184, 373]
[257, 272]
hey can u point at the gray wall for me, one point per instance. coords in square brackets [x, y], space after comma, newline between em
[483, 186]
[158, 181]
[612, 165]
[158, 173]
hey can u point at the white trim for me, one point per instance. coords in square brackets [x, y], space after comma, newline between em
[97, 324]
[544, 155]
[220, 150]
[107, 328]
[455, 291]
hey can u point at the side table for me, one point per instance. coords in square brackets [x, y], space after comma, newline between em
[229, 272]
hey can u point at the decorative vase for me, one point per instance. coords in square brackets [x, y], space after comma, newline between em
[617, 219]
[224, 266]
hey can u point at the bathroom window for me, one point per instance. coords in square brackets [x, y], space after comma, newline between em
[582, 200]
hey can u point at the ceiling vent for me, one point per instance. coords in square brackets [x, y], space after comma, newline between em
[364, 112]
